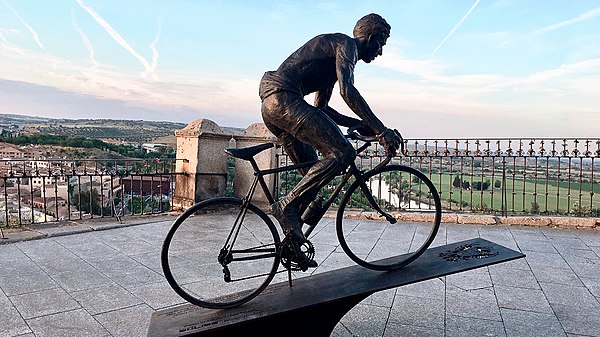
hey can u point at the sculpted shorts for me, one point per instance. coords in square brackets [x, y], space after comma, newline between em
[286, 111]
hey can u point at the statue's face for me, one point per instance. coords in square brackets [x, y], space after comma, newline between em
[373, 47]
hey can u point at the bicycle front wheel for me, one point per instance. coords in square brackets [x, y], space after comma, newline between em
[414, 212]
[219, 254]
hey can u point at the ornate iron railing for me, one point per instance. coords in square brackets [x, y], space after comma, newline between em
[544, 176]
[38, 191]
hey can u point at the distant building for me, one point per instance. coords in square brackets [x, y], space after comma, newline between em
[151, 147]
[144, 185]
[10, 151]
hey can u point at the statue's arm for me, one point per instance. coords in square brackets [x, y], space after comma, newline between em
[345, 74]
[322, 98]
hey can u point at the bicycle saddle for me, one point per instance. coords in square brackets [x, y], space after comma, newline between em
[247, 153]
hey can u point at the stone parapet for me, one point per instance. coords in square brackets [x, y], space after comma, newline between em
[255, 134]
[201, 162]
[488, 220]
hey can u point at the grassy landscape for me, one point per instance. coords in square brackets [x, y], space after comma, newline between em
[522, 196]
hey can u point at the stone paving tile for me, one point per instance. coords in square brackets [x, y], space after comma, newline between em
[479, 303]
[593, 285]
[468, 327]
[335, 260]
[434, 288]
[149, 260]
[157, 295]
[109, 298]
[86, 278]
[395, 330]
[546, 259]
[40, 249]
[520, 264]
[18, 284]
[570, 296]
[456, 233]
[580, 256]
[542, 246]
[11, 322]
[522, 299]
[365, 320]
[67, 262]
[127, 322]
[578, 320]
[17, 264]
[418, 311]
[135, 276]
[383, 298]
[549, 274]
[45, 302]
[132, 247]
[521, 278]
[88, 249]
[472, 279]
[70, 323]
[526, 323]
[590, 269]
[114, 264]
[564, 243]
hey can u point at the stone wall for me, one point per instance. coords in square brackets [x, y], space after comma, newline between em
[201, 162]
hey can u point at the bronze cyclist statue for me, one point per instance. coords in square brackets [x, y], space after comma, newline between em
[303, 129]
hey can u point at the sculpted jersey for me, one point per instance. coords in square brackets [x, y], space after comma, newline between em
[312, 67]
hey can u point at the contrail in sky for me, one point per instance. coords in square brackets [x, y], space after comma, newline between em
[456, 26]
[116, 36]
[86, 41]
[585, 16]
[31, 30]
[152, 46]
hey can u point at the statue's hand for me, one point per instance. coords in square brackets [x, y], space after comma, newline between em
[390, 140]
[364, 130]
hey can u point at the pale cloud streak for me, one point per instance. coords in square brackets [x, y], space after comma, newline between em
[86, 42]
[580, 18]
[456, 26]
[34, 34]
[149, 69]
[152, 46]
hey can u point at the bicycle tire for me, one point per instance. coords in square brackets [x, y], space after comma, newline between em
[192, 249]
[406, 194]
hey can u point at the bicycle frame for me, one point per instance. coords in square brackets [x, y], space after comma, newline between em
[352, 171]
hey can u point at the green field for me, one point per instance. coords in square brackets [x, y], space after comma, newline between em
[521, 195]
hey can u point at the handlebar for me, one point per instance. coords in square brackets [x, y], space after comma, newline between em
[353, 134]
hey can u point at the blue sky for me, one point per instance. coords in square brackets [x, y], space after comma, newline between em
[460, 68]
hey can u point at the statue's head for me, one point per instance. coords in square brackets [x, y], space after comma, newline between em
[371, 32]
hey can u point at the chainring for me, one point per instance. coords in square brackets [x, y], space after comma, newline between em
[288, 254]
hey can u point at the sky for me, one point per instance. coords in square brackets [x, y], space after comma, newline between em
[450, 69]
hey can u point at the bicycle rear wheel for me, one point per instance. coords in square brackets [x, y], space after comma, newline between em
[405, 194]
[219, 254]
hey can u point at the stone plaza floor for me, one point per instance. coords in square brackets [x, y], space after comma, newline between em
[109, 282]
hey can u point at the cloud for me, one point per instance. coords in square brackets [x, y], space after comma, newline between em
[34, 34]
[456, 26]
[117, 37]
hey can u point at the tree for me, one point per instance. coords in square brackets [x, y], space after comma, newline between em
[89, 202]
[456, 181]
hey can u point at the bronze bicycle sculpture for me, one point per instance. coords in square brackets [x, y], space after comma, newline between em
[222, 252]
[303, 129]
